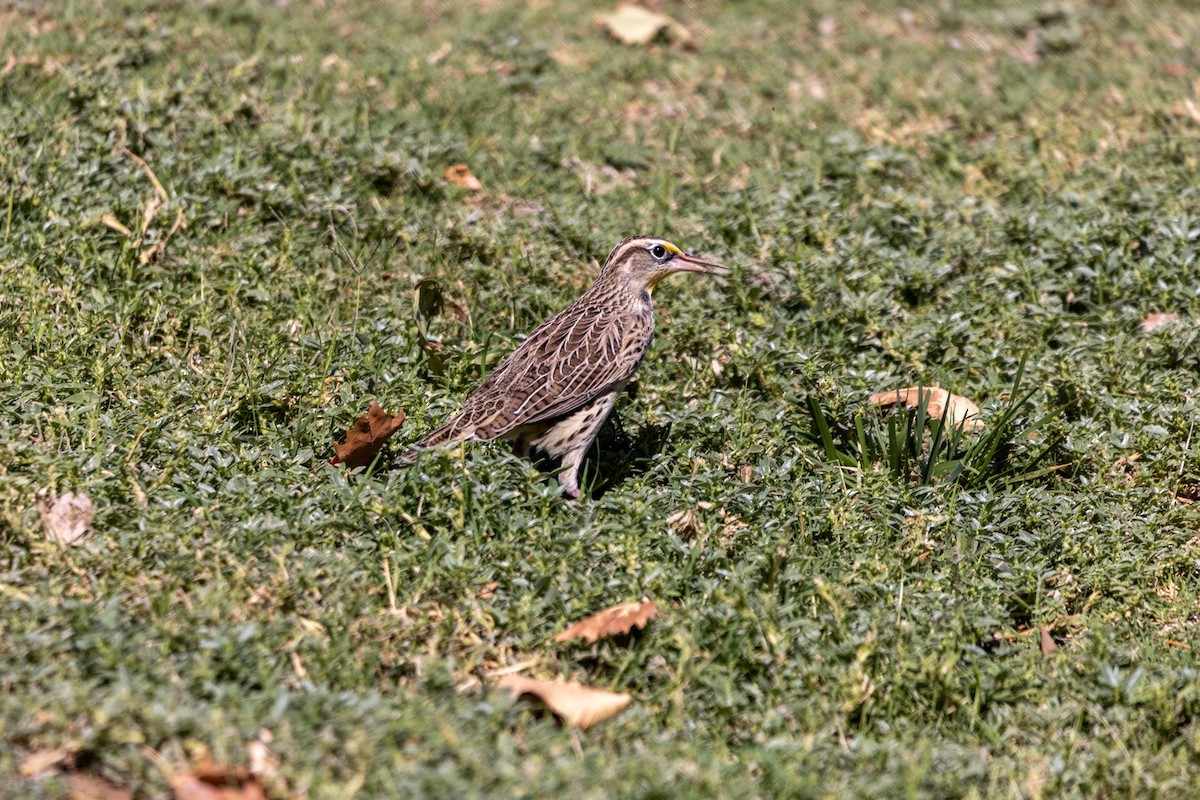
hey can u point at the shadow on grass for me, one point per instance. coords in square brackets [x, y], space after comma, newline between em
[615, 456]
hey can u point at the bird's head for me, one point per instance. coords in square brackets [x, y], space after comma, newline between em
[643, 261]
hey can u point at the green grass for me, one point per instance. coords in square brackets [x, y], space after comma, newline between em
[923, 194]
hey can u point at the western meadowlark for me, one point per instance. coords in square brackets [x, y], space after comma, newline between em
[556, 390]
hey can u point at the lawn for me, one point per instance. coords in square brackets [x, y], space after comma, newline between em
[213, 220]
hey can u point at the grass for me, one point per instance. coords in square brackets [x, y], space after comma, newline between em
[911, 195]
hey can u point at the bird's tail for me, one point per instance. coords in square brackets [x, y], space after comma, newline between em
[445, 435]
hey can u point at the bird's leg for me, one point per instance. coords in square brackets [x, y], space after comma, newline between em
[570, 439]
[568, 479]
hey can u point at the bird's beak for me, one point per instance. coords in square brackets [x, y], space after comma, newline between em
[686, 262]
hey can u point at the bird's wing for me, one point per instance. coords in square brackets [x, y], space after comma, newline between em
[563, 365]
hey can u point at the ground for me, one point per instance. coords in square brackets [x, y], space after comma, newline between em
[212, 220]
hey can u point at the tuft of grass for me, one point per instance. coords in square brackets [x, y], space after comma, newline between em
[916, 446]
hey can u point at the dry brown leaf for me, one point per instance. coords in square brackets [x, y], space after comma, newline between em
[634, 25]
[39, 761]
[685, 523]
[1186, 109]
[68, 518]
[82, 786]
[263, 763]
[218, 783]
[613, 621]
[941, 404]
[1156, 320]
[360, 444]
[1047, 643]
[577, 705]
[460, 175]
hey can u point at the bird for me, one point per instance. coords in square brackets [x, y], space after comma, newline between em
[555, 391]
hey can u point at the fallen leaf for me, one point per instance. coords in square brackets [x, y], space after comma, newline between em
[634, 25]
[437, 55]
[941, 404]
[488, 591]
[360, 444]
[1047, 644]
[217, 783]
[312, 627]
[263, 763]
[577, 705]
[68, 518]
[460, 175]
[1156, 320]
[685, 523]
[82, 786]
[41, 760]
[1186, 109]
[612, 621]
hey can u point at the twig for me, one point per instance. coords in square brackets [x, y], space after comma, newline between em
[158, 187]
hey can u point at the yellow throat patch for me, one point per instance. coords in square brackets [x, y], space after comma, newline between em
[673, 250]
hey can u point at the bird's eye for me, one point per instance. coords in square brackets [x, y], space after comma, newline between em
[658, 251]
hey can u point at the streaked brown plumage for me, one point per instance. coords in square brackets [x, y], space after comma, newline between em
[556, 390]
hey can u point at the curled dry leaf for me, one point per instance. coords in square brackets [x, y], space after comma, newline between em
[360, 444]
[577, 705]
[80, 785]
[1186, 109]
[634, 25]
[39, 761]
[68, 518]
[263, 763]
[941, 404]
[1157, 320]
[685, 523]
[218, 783]
[460, 175]
[1046, 642]
[613, 621]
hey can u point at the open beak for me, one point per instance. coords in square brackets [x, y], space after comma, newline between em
[686, 262]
